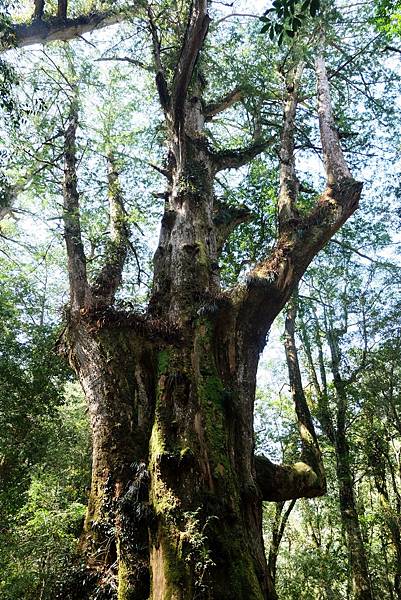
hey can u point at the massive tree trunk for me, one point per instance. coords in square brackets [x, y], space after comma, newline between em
[175, 508]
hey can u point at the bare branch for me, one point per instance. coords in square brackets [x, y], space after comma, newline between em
[128, 59]
[392, 49]
[231, 15]
[279, 525]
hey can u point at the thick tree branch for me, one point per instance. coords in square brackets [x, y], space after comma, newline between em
[289, 184]
[233, 159]
[161, 82]
[193, 42]
[272, 281]
[286, 482]
[108, 280]
[41, 31]
[214, 108]
[62, 9]
[79, 289]
[39, 8]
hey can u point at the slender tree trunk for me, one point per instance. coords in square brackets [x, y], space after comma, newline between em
[279, 525]
[361, 586]
[378, 461]
[335, 429]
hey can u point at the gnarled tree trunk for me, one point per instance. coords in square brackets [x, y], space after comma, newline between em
[175, 510]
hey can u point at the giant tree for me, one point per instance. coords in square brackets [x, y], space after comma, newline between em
[175, 508]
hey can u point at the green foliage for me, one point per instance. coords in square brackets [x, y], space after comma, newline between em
[286, 17]
[40, 541]
[387, 17]
[251, 241]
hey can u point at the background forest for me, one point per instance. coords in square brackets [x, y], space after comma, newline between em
[337, 343]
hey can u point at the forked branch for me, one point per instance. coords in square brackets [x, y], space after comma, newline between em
[271, 282]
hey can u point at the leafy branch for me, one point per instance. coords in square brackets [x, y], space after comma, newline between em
[286, 17]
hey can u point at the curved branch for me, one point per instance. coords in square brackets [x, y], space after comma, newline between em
[226, 218]
[214, 108]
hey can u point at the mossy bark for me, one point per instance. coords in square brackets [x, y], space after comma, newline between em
[202, 545]
[115, 369]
